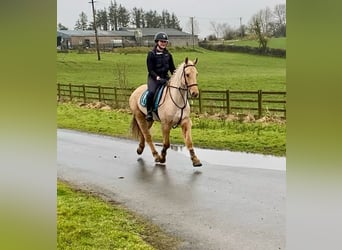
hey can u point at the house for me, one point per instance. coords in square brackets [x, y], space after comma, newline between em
[70, 39]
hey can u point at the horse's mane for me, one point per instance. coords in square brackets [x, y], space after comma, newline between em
[178, 72]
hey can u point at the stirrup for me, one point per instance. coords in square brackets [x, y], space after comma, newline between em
[149, 116]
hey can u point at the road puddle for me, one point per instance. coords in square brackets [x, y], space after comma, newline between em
[236, 159]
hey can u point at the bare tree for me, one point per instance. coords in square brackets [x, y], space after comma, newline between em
[192, 26]
[279, 24]
[256, 29]
[215, 28]
[280, 13]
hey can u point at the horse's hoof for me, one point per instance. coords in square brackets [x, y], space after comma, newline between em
[162, 160]
[197, 164]
[157, 159]
[139, 151]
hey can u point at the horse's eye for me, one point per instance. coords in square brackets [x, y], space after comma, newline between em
[187, 75]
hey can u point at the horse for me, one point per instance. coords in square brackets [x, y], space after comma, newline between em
[172, 110]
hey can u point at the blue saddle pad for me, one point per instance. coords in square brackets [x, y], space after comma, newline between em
[156, 98]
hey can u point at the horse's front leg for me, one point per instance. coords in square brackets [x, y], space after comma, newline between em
[186, 131]
[166, 140]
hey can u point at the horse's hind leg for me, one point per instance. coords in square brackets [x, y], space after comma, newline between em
[146, 136]
[141, 146]
[186, 131]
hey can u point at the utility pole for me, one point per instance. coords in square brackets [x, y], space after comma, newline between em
[96, 39]
[241, 27]
[192, 32]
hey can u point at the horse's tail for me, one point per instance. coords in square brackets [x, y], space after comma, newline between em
[135, 130]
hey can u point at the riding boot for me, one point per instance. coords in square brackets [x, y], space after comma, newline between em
[149, 107]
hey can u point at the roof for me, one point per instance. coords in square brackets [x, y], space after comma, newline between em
[69, 33]
[126, 33]
[168, 31]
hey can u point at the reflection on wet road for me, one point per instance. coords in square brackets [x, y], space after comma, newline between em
[237, 159]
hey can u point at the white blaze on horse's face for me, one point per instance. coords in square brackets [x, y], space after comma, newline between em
[191, 73]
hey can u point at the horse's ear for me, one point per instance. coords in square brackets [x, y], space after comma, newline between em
[186, 60]
[196, 60]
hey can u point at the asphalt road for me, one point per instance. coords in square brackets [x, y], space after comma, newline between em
[217, 206]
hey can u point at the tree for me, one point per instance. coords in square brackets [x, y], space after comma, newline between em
[152, 19]
[81, 23]
[61, 27]
[280, 13]
[215, 28]
[174, 22]
[256, 28]
[113, 15]
[123, 16]
[138, 18]
[279, 24]
[102, 19]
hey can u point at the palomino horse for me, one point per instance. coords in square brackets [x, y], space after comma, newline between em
[173, 110]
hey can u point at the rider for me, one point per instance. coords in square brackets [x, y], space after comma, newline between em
[159, 63]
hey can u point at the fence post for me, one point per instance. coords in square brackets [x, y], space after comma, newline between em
[228, 101]
[84, 94]
[99, 91]
[259, 103]
[200, 101]
[70, 92]
[115, 96]
[59, 91]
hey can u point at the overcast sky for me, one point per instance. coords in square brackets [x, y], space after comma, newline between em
[204, 12]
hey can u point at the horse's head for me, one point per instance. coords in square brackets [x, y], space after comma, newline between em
[190, 76]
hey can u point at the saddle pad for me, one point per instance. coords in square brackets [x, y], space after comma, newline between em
[156, 98]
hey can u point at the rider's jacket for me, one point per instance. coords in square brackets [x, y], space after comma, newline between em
[160, 63]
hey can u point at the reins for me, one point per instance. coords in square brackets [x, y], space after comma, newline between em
[180, 89]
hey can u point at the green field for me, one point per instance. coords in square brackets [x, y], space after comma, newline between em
[217, 70]
[274, 43]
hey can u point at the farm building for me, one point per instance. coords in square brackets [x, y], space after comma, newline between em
[69, 39]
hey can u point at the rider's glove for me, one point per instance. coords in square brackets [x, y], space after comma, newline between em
[162, 81]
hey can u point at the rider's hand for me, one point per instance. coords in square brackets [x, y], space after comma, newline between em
[162, 81]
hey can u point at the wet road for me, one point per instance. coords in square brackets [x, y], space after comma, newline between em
[226, 204]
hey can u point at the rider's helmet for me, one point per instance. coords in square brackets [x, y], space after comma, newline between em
[161, 36]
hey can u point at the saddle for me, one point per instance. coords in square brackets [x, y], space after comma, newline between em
[156, 99]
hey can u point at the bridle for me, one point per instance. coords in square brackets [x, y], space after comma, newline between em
[180, 89]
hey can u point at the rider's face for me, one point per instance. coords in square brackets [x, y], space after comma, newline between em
[162, 44]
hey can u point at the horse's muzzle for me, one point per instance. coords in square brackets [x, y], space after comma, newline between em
[194, 94]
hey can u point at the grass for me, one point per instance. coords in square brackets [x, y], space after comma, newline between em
[275, 43]
[260, 138]
[87, 222]
[217, 70]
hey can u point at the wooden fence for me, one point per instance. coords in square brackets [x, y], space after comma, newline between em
[258, 103]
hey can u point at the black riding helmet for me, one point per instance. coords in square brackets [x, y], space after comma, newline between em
[161, 36]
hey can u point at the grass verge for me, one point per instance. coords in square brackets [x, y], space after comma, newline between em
[87, 222]
[252, 137]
